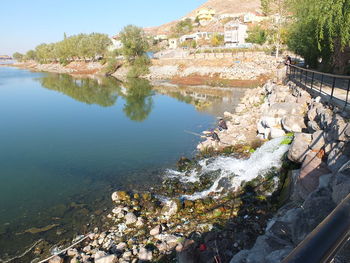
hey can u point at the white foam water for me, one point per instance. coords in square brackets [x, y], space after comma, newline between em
[235, 170]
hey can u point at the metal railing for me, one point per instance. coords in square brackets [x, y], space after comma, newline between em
[323, 243]
[333, 88]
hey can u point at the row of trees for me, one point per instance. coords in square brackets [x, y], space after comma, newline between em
[95, 46]
[317, 30]
[77, 47]
[321, 32]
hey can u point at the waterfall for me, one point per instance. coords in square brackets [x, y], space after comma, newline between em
[233, 170]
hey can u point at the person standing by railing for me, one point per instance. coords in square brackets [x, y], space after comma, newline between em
[288, 60]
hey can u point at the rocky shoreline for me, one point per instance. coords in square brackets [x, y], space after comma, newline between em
[168, 224]
[74, 68]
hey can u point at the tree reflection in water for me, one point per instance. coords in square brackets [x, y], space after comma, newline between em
[104, 92]
[138, 99]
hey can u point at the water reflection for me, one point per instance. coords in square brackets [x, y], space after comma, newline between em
[212, 100]
[138, 99]
[137, 94]
[103, 92]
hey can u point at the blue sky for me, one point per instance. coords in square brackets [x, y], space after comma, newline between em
[27, 23]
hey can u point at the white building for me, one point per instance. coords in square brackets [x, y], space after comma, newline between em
[253, 18]
[190, 37]
[235, 34]
[161, 37]
[173, 43]
[197, 36]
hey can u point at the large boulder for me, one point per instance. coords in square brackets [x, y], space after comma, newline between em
[315, 208]
[311, 171]
[285, 108]
[341, 183]
[318, 141]
[325, 118]
[312, 126]
[276, 133]
[270, 121]
[299, 147]
[338, 156]
[293, 123]
[338, 130]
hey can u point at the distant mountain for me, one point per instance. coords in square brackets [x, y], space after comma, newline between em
[220, 7]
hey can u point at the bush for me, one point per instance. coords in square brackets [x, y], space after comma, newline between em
[257, 35]
[139, 67]
[111, 66]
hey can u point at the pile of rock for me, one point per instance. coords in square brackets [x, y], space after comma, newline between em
[266, 112]
[241, 126]
[284, 111]
[323, 151]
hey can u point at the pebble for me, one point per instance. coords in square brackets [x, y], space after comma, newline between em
[156, 231]
[130, 218]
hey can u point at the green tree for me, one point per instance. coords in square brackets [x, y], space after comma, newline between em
[321, 29]
[257, 35]
[134, 42]
[18, 56]
[86, 46]
[265, 6]
[30, 55]
[217, 40]
[183, 27]
[279, 22]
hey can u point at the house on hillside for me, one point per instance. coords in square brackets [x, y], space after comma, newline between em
[253, 18]
[173, 43]
[235, 33]
[205, 15]
[116, 43]
[190, 37]
[161, 37]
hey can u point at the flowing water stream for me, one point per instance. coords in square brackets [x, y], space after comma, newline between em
[231, 172]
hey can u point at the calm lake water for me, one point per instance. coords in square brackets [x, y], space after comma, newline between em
[67, 143]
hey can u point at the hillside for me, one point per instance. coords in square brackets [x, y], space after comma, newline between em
[229, 6]
[220, 6]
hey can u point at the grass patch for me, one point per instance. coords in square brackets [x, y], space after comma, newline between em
[288, 139]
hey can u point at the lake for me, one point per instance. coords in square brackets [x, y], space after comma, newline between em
[67, 143]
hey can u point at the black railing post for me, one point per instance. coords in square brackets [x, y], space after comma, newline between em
[301, 75]
[312, 80]
[347, 94]
[294, 71]
[306, 78]
[333, 84]
[321, 83]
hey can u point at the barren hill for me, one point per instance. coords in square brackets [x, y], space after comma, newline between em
[229, 6]
[220, 6]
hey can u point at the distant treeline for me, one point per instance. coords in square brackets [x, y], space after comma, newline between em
[78, 47]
